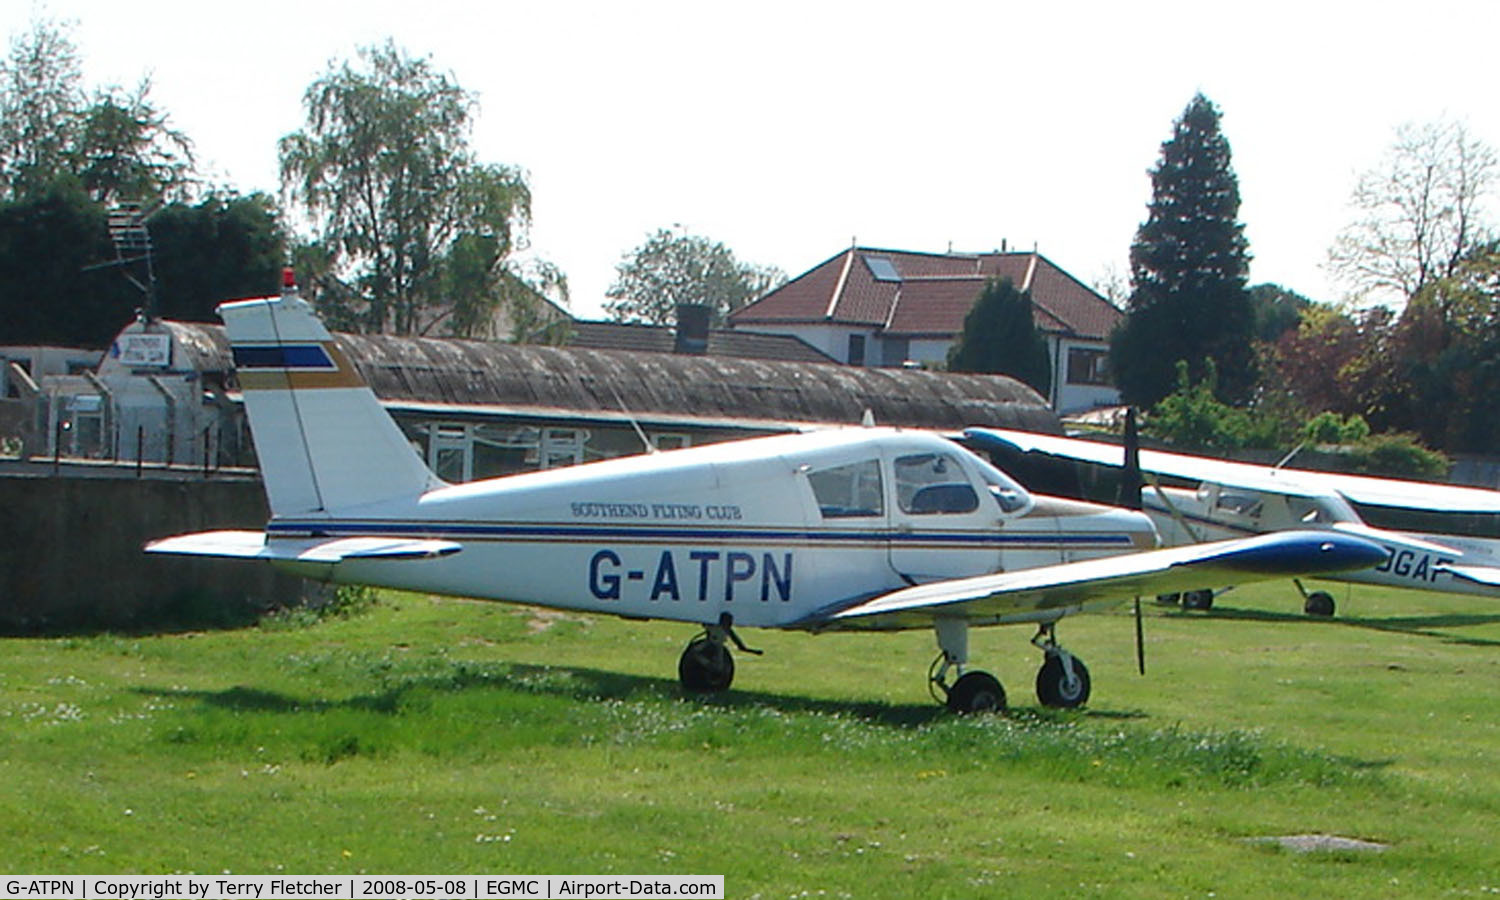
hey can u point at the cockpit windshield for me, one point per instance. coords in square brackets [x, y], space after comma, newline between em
[1011, 497]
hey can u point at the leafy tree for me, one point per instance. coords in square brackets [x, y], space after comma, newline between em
[673, 267]
[1419, 215]
[119, 145]
[1276, 309]
[126, 151]
[40, 97]
[53, 242]
[1189, 265]
[383, 167]
[1434, 370]
[49, 241]
[1194, 418]
[1000, 337]
[223, 248]
[1331, 428]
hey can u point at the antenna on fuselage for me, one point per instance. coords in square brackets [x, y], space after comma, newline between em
[630, 417]
[1288, 458]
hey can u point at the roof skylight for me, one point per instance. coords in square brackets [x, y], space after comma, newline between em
[882, 269]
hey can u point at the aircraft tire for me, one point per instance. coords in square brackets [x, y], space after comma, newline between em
[1168, 599]
[1203, 599]
[706, 667]
[1053, 689]
[976, 692]
[1319, 603]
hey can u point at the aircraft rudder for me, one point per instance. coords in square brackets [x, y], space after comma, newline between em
[324, 441]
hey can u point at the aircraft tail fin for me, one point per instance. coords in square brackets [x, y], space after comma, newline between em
[323, 440]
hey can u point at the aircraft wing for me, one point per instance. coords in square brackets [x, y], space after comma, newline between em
[1362, 489]
[253, 545]
[1291, 482]
[1028, 594]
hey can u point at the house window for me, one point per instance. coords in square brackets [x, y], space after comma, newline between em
[895, 351]
[856, 349]
[1086, 366]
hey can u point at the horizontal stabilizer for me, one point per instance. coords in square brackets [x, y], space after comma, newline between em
[1486, 575]
[1389, 538]
[1096, 581]
[253, 545]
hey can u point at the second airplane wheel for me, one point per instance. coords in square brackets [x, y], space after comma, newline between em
[1055, 689]
[1319, 603]
[976, 692]
[1203, 599]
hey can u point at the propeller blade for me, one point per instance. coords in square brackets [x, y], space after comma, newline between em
[1130, 474]
[1140, 639]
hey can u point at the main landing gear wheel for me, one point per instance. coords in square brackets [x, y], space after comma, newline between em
[1318, 603]
[976, 692]
[973, 692]
[1055, 689]
[706, 666]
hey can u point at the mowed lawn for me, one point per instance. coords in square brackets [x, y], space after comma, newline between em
[434, 736]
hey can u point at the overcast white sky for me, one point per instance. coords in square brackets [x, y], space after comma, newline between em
[788, 129]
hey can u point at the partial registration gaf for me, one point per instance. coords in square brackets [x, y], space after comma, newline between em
[836, 530]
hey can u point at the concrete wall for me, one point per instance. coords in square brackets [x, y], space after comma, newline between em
[70, 551]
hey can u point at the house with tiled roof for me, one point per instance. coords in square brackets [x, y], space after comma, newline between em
[872, 307]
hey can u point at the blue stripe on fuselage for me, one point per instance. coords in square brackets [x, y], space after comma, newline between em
[523, 532]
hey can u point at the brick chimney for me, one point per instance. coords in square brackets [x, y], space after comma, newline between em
[692, 328]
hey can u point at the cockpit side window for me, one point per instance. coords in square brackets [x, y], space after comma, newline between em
[1240, 504]
[933, 484]
[851, 491]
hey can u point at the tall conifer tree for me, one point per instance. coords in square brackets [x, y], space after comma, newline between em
[1189, 266]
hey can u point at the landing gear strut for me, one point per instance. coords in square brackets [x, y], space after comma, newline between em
[1063, 680]
[974, 691]
[706, 666]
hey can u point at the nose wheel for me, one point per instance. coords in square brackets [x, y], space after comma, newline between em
[1063, 680]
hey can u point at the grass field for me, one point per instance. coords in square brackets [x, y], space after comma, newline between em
[434, 736]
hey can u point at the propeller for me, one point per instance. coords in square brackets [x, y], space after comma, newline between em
[1130, 474]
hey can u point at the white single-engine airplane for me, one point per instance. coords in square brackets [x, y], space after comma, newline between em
[863, 529]
[1426, 551]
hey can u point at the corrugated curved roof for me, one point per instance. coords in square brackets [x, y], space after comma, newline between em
[551, 379]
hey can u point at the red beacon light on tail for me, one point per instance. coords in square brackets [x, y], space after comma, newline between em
[288, 281]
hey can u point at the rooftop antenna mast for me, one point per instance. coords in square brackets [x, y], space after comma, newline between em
[132, 239]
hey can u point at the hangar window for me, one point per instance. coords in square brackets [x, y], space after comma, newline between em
[848, 491]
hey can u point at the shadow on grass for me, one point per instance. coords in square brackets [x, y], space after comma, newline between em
[1419, 626]
[588, 685]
